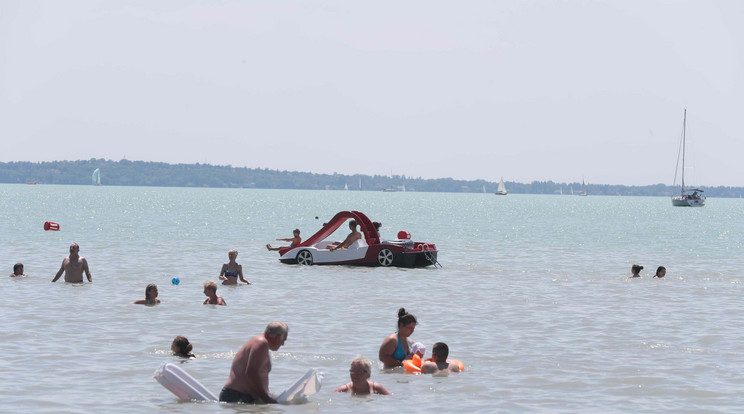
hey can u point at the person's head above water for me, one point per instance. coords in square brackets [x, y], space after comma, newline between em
[182, 347]
[151, 291]
[660, 272]
[636, 268]
[18, 268]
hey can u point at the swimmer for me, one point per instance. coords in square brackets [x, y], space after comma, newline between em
[210, 290]
[439, 363]
[293, 241]
[635, 271]
[396, 347]
[360, 371]
[181, 347]
[18, 270]
[73, 267]
[660, 272]
[151, 296]
[232, 270]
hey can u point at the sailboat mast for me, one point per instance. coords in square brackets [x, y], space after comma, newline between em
[684, 144]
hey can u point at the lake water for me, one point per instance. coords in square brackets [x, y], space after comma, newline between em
[533, 297]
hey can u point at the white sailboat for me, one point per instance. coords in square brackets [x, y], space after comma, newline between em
[96, 178]
[685, 199]
[502, 188]
[583, 192]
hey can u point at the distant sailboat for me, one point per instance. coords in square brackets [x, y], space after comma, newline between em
[582, 192]
[346, 187]
[696, 199]
[484, 188]
[96, 178]
[502, 188]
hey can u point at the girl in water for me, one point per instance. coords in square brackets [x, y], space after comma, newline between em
[182, 348]
[232, 270]
[397, 347]
[151, 296]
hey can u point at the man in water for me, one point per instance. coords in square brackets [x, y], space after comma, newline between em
[351, 238]
[249, 374]
[439, 363]
[73, 267]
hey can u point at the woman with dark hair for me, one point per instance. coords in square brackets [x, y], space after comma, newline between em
[635, 271]
[397, 347]
[660, 272]
[151, 296]
[181, 347]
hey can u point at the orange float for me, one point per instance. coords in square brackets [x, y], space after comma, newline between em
[414, 364]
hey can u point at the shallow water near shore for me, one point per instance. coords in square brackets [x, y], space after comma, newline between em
[532, 296]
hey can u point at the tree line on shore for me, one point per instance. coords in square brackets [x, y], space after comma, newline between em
[160, 174]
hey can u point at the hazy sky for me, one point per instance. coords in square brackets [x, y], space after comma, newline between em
[528, 90]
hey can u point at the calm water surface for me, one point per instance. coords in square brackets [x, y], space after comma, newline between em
[533, 296]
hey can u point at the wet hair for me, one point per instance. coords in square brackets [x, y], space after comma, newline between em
[277, 329]
[229, 252]
[440, 350]
[184, 346]
[296, 231]
[17, 266]
[74, 245]
[148, 288]
[404, 318]
[352, 223]
[364, 362]
[636, 268]
[210, 285]
[377, 225]
[659, 269]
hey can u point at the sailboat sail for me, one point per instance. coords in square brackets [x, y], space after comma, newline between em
[502, 188]
[96, 178]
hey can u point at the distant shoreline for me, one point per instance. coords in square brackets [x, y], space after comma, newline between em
[160, 174]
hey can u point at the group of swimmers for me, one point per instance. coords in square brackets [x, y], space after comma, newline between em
[248, 381]
[635, 271]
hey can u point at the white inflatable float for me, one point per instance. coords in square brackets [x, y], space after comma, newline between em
[186, 387]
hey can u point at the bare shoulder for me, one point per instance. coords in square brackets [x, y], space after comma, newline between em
[343, 388]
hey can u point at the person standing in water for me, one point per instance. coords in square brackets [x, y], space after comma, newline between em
[232, 270]
[360, 371]
[73, 267]
[210, 290]
[151, 296]
[396, 347]
[249, 373]
[18, 270]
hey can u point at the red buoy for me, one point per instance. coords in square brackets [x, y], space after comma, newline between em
[50, 225]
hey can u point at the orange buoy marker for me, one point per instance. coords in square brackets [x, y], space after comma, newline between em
[50, 225]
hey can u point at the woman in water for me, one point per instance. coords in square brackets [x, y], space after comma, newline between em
[232, 270]
[635, 271]
[660, 272]
[396, 347]
[151, 296]
[182, 348]
[360, 371]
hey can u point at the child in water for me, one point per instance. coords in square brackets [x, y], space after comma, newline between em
[210, 291]
[182, 348]
[635, 271]
[18, 270]
[660, 272]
